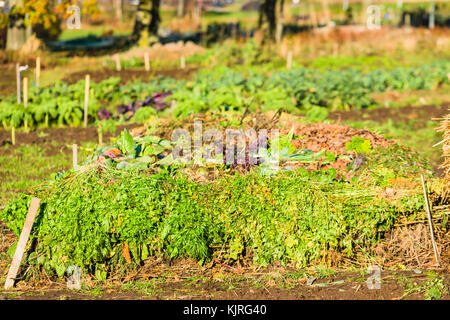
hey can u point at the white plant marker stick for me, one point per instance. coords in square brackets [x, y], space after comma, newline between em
[147, 61]
[25, 92]
[18, 83]
[86, 100]
[23, 239]
[117, 59]
[182, 62]
[289, 60]
[75, 155]
[429, 219]
[38, 70]
[25, 99]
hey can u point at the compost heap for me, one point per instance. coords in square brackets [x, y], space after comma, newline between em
[338, 192]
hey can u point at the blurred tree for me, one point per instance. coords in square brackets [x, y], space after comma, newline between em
[147, 22]
[268, 18]
[17, 32]
[180, 8]
[118, 9]
[41, 17]
[186, 8]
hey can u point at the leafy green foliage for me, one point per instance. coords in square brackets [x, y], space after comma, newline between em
[126, 142]
[143, 114]
[132, 154]
[294, 217]
[317, 114]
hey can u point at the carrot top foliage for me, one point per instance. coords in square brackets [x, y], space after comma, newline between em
[89, 218]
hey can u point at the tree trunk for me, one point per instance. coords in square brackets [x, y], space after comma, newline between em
[147, 21]
[279, 31]
[156, 18]
[17, 33]
[267, 18]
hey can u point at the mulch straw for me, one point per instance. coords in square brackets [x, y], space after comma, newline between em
[445, 128]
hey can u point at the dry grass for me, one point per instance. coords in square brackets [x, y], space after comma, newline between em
[445, 129]
[411, 246]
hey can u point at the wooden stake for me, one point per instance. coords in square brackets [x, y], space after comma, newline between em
[25, 99]
[427, 203]
[147, 61]
[25, 92]
[86, 100]
[117, 59]
[75, 155]
[26, 230]
[100, 137]
[13, 135]
[18, 83]
[289, 60]
[182, 62]
[38, 70]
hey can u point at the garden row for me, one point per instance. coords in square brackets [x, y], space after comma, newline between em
[295, 90]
